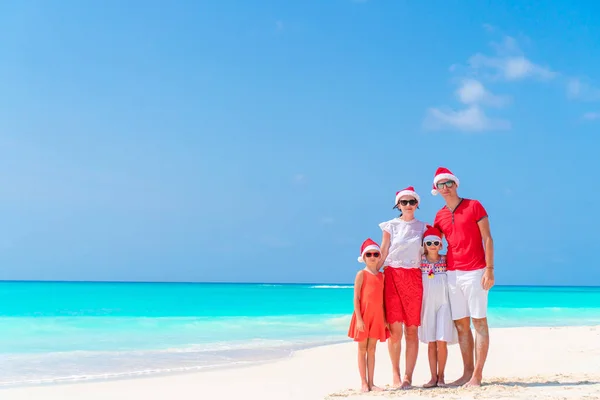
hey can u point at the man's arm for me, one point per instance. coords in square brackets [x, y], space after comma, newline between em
[488, 276]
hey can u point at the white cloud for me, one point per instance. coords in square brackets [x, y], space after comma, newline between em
[591, 116]
[470, 119]
[509, 63]
[506, 63]
[472, 91]
[578, 90]
[510, 68]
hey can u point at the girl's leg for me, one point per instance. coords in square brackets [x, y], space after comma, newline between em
[433, 365]
[362, 365]
[442, 357]
[371, 346]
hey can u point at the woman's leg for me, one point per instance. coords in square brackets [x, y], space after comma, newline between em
[394, 348]
[362, 365]
[412, 351]
[442, 357]
[432, 354]
[371, 346]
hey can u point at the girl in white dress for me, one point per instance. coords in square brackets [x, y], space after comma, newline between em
[437, 328]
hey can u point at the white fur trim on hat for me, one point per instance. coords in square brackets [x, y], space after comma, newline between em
[439, 178]
[431, 237]
[403, 193]
[370, 247]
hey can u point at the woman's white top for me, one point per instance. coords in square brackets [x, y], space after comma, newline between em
[405, 242]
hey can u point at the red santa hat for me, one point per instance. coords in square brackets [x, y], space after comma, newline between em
[431, 234]
[368, 245]
[441, 174]
[409, 191]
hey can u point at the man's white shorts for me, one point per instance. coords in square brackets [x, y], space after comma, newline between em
[467, 296]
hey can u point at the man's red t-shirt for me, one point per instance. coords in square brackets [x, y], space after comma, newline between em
[465, 245]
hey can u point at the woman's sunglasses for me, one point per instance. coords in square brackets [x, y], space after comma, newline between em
[429, 243]
[369, 255]
[407, 202]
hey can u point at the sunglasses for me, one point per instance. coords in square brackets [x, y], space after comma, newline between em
[407, 202]
[369, 255]
[429, 243]
[448, 184]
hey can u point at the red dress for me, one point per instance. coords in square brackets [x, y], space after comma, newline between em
[371, 310]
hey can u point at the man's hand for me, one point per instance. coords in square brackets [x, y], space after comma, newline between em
[487, 280]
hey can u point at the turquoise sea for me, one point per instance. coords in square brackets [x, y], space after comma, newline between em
[70, 331]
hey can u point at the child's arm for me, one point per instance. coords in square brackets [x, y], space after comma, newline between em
[358, 281]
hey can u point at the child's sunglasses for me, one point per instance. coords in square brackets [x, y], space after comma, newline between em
[430, 243]
[369, 255]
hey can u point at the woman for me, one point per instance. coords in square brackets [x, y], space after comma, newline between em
[403, 288]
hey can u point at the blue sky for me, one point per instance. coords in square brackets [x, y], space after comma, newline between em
[264, 141]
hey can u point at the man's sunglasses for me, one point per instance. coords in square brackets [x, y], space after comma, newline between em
[369, 255]
[448, 184]
[429, 243]
[407, 202]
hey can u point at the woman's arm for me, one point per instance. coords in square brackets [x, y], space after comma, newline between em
[385, 248]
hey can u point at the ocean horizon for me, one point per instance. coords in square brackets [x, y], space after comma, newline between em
[63, 331]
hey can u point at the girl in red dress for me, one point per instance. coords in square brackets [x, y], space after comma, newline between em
[368, 324]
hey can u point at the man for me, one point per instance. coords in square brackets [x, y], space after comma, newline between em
[470, 258]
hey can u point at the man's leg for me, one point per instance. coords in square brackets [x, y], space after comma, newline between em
[394, 347]
[462, 321]
[482, 344]
[465, 341]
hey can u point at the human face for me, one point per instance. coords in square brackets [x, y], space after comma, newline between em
[371, 257]
[408, 205]
[446, 187]
[432, 246]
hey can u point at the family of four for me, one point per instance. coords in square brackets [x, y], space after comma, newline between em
[422, 294]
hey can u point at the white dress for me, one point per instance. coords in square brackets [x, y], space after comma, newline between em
[436, 316]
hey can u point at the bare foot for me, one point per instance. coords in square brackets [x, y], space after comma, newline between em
[364, 388]
[460, 381]
[376, 388]
[474, 382]
[431, 383]
[441, 382]
[406, 384]
[396, 380]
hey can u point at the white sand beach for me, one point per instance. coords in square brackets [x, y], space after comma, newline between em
[523, 363]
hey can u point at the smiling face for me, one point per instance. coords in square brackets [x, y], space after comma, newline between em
[432, 246]
[408, 205]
